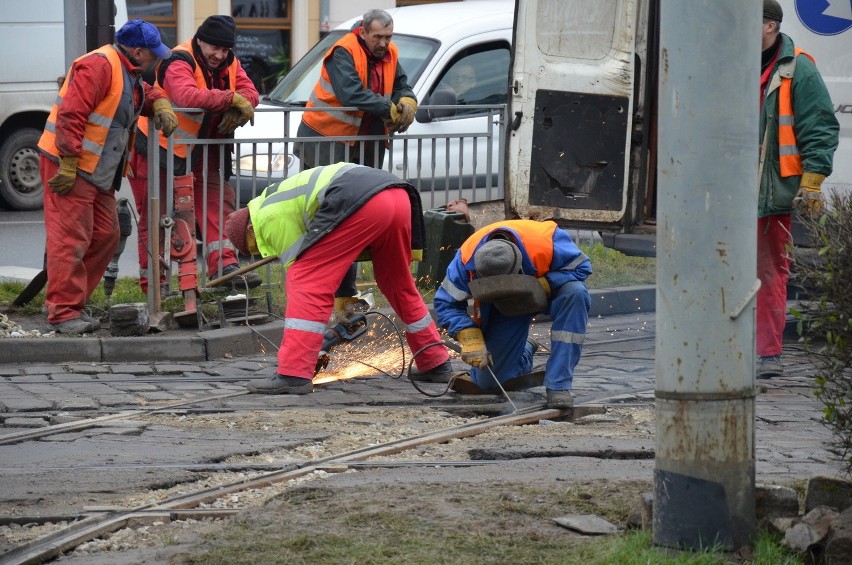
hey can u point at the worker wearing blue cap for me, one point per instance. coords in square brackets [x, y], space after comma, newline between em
[84, 150]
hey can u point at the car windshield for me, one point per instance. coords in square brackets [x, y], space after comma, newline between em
[297, 85]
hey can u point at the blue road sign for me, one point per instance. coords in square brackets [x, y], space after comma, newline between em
[825, 17]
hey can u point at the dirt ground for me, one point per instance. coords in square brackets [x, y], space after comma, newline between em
[424, 495]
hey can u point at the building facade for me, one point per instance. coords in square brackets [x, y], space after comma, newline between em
[271, 34]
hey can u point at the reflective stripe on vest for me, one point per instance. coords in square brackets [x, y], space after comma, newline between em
[535, 237]
[189, 123]
[788, 150]
[302, 195]
[347, 123]
[99, 120]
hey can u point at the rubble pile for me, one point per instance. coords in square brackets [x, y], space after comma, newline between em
[10, 328]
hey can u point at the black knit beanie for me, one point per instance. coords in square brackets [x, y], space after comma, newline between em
[219, 31]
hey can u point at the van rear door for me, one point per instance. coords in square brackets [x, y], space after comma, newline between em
[574, 90]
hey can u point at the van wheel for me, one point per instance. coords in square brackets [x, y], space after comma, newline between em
[20, 182]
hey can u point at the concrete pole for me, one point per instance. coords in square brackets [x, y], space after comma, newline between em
[706, 272]
[75, 31]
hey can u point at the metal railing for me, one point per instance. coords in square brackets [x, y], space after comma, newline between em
[461, 157]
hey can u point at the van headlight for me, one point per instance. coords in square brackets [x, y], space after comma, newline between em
[262, 164]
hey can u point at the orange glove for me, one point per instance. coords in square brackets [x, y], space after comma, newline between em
[230, 121]
[809, 199]
[545, 285]
[239, 102]
[65, 177]
[165, 119]
[473, 350]
[407, 108]
[392, 121]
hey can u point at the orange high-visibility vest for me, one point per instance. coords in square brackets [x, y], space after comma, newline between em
[189, 123]
[788, 150]
[347, 123]
[536, 238]
[99, 121]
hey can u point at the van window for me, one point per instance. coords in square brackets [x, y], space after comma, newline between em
[586, 33]
[479, 77]
[296, 86]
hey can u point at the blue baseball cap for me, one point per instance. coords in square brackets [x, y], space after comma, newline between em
[139, 33]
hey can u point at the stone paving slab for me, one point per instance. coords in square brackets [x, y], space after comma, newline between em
[790, 438]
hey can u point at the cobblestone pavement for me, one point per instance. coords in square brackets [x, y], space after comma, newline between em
[617, 366]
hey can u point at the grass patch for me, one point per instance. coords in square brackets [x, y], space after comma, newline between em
[611, 269]
[462, 523]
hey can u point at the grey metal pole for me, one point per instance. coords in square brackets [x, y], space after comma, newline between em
[706, 272]
[75, 30]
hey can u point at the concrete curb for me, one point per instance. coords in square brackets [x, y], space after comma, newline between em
[234, 340]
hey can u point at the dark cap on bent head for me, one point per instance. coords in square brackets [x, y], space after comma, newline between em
[772, 10]
[139, 33]
[497, 257]
[220, 31]
[235, 229]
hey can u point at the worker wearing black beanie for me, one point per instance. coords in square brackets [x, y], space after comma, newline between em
[218, 30]
[203, 72]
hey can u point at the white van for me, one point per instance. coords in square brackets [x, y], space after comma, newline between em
[32, 40]
[583, 94]
[438, 44]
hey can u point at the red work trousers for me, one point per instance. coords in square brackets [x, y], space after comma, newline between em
[384, 225]
[81, 227]
[205, 217]
[773, 270]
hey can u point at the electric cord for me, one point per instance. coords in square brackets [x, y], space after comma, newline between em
[414, 383]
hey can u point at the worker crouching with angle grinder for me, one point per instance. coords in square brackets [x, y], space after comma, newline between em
[318, 223]
[514, 270]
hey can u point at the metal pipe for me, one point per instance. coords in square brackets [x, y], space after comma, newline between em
[706, 268]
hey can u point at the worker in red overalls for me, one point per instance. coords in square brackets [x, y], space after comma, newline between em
[203, 72]
[84, 151]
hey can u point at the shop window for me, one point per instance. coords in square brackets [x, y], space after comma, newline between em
[161, 13]
[263, 39]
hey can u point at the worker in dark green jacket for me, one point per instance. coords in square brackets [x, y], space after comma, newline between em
[798, 137]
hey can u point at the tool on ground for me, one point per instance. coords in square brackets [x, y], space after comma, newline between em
[503, 390]
[458, 349]
[34, 287]
[346, 330]
[125, 228]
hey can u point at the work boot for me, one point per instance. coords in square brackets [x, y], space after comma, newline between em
[74, 326]
[250, 279]
[463, 384]
[769, 366]
[92, 320]
[440, 374]
[281, 384]
[559, 399]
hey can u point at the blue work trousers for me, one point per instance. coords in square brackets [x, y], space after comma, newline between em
[506, 340]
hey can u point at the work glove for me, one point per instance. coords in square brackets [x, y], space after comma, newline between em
[407, 108]
[473, 350]
[809, 199]
[239, 102]
[165, 119]
[65, 177]
[545, 285]
[230, 121]
[392, 121]
[345, 306]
